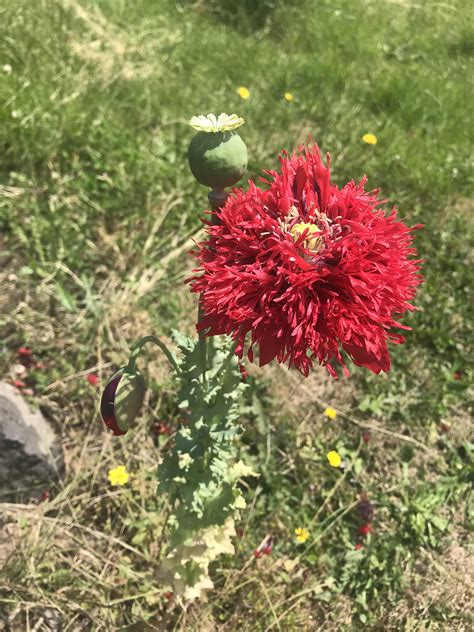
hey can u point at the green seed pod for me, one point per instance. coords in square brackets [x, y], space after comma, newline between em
[217, 155]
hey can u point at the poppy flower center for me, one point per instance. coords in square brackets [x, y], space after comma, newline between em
[312, 240]
[312, 234]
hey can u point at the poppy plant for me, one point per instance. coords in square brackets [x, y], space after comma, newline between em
[307, 270]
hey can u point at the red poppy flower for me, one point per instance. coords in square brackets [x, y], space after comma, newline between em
[307, 269]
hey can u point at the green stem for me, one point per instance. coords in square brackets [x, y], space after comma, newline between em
[202, 348]
[137, 348]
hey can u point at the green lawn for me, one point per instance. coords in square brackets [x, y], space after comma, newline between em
[97, 207]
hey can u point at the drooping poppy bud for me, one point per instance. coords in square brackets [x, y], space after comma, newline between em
[121, 400]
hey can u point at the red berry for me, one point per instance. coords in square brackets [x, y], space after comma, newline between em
[358, 546]
[24, 352]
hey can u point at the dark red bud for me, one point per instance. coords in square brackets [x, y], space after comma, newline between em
[107, 404]
[122, 399]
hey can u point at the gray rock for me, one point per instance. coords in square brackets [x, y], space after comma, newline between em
[30, 455]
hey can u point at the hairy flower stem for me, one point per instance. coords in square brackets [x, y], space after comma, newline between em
[137, 348]
[199, 473]
[217, 198]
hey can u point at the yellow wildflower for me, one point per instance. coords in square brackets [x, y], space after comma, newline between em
[302, 534]
[370, 139]
[119, 475]
[288, 96]
[243, 92]
[331, 413]
[334, 458]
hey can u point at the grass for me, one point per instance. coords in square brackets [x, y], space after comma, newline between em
[97, 207]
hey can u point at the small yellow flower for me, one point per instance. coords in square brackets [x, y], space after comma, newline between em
[288, 96]
[301, 534]
[243, 92]
[331, 413]
[370, 139]
[119, 475]
[334, 458]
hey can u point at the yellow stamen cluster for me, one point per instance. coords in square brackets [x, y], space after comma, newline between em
[312, 240]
